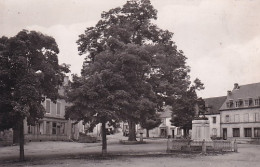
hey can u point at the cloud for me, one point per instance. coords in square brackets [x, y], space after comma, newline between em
[219, 38]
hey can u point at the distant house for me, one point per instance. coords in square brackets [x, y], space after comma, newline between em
[53, 126]
[213, 114]
[240, 113]
[166, 129]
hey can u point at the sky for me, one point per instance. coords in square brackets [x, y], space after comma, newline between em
[220, 38]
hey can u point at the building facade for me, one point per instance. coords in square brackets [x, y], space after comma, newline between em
[240, 113]
[53, 126]
[212, 106]
[166, 129]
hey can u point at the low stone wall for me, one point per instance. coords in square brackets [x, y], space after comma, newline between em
[40, 137]
[87, 138]
[201, 146]
[6, 138]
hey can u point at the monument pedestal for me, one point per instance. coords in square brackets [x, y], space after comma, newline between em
[200, 130]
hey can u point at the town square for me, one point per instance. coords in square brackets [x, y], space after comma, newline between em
[129, 83]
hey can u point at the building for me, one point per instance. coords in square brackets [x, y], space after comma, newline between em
[53, 126]
[212, 106]
[166, 129]
[240, 113]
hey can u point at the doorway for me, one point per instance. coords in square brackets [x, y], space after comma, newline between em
[163, 132]
[172, 133]
[224, 133]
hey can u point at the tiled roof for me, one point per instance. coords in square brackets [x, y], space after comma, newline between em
[243, 92]
[213, 104]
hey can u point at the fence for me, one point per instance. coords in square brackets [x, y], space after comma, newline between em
[202, 146]
[44, 137]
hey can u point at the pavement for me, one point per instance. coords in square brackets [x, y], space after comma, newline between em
[152, 154]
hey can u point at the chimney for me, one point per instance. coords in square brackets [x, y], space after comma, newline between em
[236, 86]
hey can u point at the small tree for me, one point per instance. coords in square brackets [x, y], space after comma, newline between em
[183, 108]
[151, 123]
[29, 72]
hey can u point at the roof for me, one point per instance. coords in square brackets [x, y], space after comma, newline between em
[243, 92]
[213, 104]
[167, 112]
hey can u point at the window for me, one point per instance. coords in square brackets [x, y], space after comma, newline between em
[250, 101]
[53, 108]
[248, 132]
[236, 132]
[229, 104]
[246, 103]
[257, 117]
[237, 104]
[214, 132]
[178, 131]
[246, 117]
[54, 125]
[48, 106]
[48, 128]
[257, 132]
[58, 108]
[214, 120]
[257, 102]
[227, 118]
[29, 129]
[58, 128]
[237, 118]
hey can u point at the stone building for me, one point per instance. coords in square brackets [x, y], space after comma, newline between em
[240, 113]
[213, 114]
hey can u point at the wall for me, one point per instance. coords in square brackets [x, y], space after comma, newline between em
[6, 137]
[213, 126]
[166, 124]
[53, 126]
[240, 118]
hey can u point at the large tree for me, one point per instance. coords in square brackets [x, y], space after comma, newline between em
[94, 96]
[154, 69]
[29, 72]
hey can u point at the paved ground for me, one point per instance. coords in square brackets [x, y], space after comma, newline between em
[151, 154]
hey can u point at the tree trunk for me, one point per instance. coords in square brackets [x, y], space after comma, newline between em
[132, 135]
[147, 133]
[21, 140]
[186, 132]
[104, 138]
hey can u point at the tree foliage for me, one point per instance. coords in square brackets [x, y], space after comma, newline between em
[151, 122]
[29, 72]
[146, 57]
[184, 107]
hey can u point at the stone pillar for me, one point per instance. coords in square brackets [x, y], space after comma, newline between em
[44, 127]
[200, 130]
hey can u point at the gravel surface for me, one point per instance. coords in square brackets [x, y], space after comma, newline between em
[152, 154]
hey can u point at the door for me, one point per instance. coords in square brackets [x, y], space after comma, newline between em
[224, 133]
[163, 132]
[172, 133]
